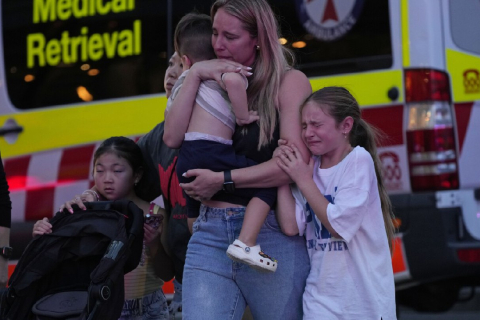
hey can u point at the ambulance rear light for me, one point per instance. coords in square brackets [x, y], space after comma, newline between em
[426, 85]
[431, 145]
[468, 255]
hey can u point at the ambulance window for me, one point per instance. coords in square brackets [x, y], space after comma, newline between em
[332, 37]
[464, 23]
[58, 52]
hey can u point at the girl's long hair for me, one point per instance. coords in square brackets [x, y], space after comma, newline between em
[339, 103]
[271, 63]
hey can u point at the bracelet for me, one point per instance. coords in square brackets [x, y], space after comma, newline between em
[97, 198]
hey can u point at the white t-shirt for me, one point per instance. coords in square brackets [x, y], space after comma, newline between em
[352, 277]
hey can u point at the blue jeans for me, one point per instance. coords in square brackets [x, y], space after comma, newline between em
[215, 287]
[150, 307]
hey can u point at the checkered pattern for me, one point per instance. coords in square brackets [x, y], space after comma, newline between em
[41, 182]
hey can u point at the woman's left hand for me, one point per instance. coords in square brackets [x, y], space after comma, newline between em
[292, 163]
[205, 185]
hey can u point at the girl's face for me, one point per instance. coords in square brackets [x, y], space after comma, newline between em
[320, 132]
[172, 73]
[231, 41]
[114, 177]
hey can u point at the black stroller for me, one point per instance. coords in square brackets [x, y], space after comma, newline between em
[76, 272]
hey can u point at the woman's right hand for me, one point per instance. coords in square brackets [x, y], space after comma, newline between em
[205, 185]
[79, 201]
[41, 227]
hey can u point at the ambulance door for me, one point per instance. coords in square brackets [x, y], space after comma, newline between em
[462, 51]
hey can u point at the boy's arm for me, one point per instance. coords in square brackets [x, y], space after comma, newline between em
[236, 86]
[286, 211]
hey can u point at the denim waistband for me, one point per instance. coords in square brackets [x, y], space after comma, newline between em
[224, 212]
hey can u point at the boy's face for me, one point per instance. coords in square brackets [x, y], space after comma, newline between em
[172, 73]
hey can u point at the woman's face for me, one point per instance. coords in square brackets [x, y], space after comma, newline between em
[231, 41]
[172, 73]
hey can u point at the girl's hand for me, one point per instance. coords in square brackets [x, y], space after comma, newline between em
[41, 227]
[151, 235]
[78, 200]
[292, 163]
[281, 149]
[213, 69]
[205, 185]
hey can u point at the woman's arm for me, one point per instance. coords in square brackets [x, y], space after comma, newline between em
[178, 117]
[295, 88]
[286, 211]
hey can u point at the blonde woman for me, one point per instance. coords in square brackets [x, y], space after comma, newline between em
[245, 39]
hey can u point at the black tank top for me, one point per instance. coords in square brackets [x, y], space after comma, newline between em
[245, 142]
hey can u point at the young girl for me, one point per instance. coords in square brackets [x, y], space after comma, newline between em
[343, 210]
[117, 169]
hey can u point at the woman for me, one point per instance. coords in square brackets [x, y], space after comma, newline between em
[245, 33]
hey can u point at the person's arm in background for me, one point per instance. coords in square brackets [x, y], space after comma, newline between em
[5, 221]
[294, 90]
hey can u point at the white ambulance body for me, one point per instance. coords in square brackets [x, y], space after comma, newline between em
[413, 65]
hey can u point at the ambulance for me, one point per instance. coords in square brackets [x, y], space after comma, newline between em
[74, 72]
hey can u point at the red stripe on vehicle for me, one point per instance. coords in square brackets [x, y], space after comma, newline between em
[389, 120]
[39, 203]
[16, 171]
[462, 115]
[75, 163]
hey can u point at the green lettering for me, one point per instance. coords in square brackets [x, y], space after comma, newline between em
[137, 31]
[103, 8]
[80, 11]
[110, 41]
[95, 46]
[92, 7]
[64, 9]
[35, 45]
[119, 6]
[75, 42]
[125, 46]
[52, 52]
[131, 5]
[65, 42]
[44, 10]
[84, 39]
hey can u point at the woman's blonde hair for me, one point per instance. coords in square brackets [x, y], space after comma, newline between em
[271, 63]
[339, 103]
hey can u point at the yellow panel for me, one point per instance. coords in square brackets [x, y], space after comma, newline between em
[369, 88]
[405, 34]
[464, 70]
[86, 123]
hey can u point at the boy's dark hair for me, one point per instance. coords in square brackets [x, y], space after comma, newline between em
[193, 37]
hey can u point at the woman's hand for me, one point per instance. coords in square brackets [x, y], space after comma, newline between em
[205, 185]
[78, 200]
[292, 163]
[41, 227]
